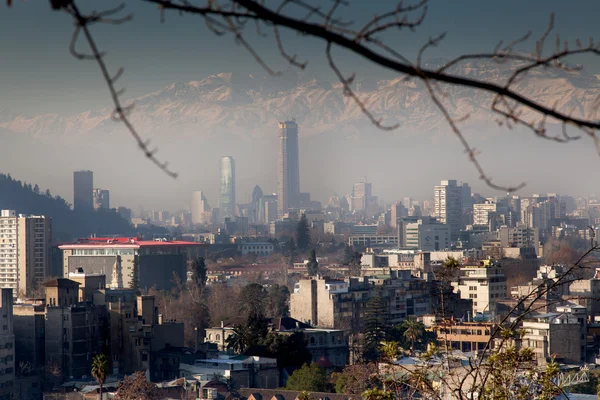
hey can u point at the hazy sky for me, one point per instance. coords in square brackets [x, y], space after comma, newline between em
[40, 76]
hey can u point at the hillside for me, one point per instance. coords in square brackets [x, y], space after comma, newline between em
[67, 224]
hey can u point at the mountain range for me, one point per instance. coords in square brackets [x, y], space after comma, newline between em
[227, 104]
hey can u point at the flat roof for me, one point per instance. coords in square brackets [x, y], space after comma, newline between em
[126, 243]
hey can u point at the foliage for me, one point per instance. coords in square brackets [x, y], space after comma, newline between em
[276, 304]
[66, 223]
[313, 265]
[100, 369]
[355, 264]
[309, 378]
[199, 272]
[252, 300]
[376, 329]
[303, 233]
[135, 275]
[136, 387]
[377, 394]
[356, 378]
[413, 331]
[289, 350]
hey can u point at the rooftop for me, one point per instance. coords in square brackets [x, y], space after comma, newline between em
[126, 242]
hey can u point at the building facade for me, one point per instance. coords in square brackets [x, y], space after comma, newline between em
[7, 346]
[83, 190]
[200, 209]
[423, 233]
[288, 167]
[484, 283]
[227, 189]
[447, 206]
[101, 199]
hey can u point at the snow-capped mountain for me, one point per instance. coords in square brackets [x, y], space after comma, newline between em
[245, 105]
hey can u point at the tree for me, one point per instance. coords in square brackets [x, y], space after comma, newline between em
[100, 370]
[376, 329]
[252, 300]
[313, 264]
[277, 301]
[356, 378]
[199, 272]
[135, 275]
[240, 339]
[355, 264]
[413, 331]
[289, 350]
[309, 378]
[303, 233]
[136, 387]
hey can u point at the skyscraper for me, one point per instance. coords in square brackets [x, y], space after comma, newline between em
[447, 207]
[361, 196]
[288, 167]
[200, 208]
[227, 191]
[101, 199]
[83, 190]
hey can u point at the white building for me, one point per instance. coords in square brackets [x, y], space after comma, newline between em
[447, 206]
[423, 233]
[25, 251]
[482, 283]
[483, 212]
[258, 248]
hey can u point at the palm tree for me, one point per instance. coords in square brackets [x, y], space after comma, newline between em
[239, 339]
[413, 331]
[100, 370]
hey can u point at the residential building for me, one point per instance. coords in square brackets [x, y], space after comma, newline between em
[484, 212]
[29, 322]
[329, 303]
[465, 336]
[7, 346]
[157, 260]
[423, 233]
[483, 283]
[101, 199]
[25, 251]
[200, 209]
[73, 330]
[227, 189]
[83, 188]
[447, 197]
[551, 336]
[288, 167]
[519, 236]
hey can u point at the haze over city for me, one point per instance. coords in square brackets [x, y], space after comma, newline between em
[299, 200]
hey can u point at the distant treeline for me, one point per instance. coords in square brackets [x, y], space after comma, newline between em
[67, 224]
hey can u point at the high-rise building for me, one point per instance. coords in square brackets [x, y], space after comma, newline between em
[7, 346]
[447, 207]
[25, 251]
[361, 196]
[200, 208]
[101, 199]
[227, 191]
[288, 167]
[83, 190]
[397, 211]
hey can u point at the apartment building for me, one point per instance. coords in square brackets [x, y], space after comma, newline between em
[7, 346]
[484, 283]
[552, 335]
[25, 251]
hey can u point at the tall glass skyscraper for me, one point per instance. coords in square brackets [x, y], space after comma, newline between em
[227, 192]
[288, 167]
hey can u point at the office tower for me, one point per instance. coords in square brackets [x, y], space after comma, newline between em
[257, 195]
[288, 167]
[101, 199]
[397, 211]
[200, 208]
[83, 190]
[227, 191]
[25, 251]
[447, 206]
[407, 202]
[361, 196]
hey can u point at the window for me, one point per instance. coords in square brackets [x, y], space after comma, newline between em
[218, 337]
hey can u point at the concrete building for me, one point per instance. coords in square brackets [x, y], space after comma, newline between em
[259, 248]
[29, 323]
[227, 200]
[447, 208]
[73, 330]
[7, 346]
[397, 211]
[101, 199]
[423, 233]
[200, 209]
[288, 167]
[361, 196]
[464, 336]
[483, 283]
[157, 260]
[25, 251]
[329, 303]
[83, 190]
[482, 213]
[551, 335]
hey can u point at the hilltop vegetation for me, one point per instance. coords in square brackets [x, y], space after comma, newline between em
[67, 224]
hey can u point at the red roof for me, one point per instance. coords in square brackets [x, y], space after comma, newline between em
[131, 242]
